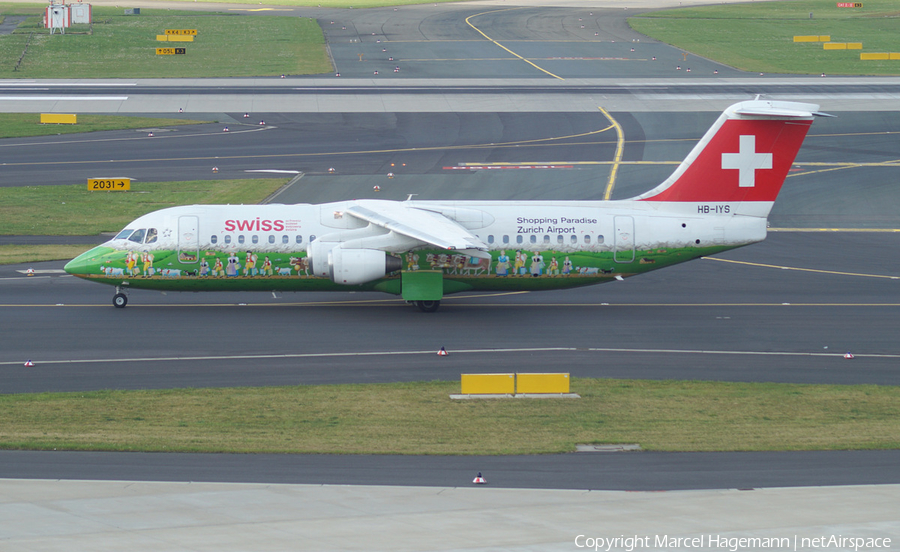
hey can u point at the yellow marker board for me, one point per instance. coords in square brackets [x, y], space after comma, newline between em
[59, 118]
[176, 32]
[109, 184]
[488, 384]
[170, 51]
[180, 38]
[542, 383]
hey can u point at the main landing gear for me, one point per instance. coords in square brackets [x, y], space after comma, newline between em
[120, 299]
[428, 306]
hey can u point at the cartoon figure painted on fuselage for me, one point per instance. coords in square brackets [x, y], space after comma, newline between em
[204, 267]
[503, 264]
[219, 269]
[300, 263]
[537, 265]
[131, 263]
[412, 261]
[519, 267]
[267, 267]
[234, 266]
[147, 259]
[567, 266]
[554, 267]
[250, 264]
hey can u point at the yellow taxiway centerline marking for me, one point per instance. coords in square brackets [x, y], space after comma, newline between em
[469, 23]
[617, 159]
[834, 272]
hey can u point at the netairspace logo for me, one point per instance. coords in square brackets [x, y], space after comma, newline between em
[732, 544]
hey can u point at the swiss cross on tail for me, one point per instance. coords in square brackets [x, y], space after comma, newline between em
[747, 161]
[745, 156]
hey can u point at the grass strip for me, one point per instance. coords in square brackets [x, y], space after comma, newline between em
[75, 211]
[18, 254]
[19, 125]
[419, 418]
[120, 46]
[759, 36]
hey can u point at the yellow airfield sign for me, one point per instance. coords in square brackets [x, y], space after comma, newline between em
[109, 184]
[170, 51]
[190, 32]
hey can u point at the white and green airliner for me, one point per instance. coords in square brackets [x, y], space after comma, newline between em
[718, 198]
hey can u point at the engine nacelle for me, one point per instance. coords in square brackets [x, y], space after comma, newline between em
[317, 252]
[358, 266]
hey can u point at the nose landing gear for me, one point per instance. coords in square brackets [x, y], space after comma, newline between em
[119, 299]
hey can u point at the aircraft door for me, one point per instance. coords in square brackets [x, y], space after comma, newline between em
[188, 239]
[624, 239]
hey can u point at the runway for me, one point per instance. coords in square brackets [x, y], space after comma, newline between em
[785, 310]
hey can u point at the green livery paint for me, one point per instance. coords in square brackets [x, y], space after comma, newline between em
[165, 270]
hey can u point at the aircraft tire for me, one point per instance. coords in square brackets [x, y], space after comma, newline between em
[120, 300]
[428, 306]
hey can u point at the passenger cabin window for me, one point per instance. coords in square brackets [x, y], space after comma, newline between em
[151, 236]
[138, 236]
[254, 238]
[533, 238]
[546, 238]
[587, 239]
[574, 238]
[284, 239]
[241, 238]
[559, 238]
[599, 239]
[123, 235]
[213, 239]
[299, 238]
[490, 238]
[505, 239]
[519, 239]
[227, 239]
[312, 238]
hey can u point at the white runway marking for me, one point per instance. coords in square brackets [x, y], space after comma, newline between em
[455, 352]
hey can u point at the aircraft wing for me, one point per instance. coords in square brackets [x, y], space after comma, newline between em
[425, 226]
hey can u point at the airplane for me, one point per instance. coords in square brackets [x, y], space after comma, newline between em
[717, 199]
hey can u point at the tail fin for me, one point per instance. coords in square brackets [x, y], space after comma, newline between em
[744, 157]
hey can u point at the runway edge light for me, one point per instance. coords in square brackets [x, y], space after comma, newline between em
[443, 352]
[479, 480]
[29, 364]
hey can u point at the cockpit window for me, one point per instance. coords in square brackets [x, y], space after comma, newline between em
[138, 235]
[124, 234]
[151, 236]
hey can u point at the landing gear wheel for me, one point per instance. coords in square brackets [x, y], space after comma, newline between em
[120, 300]
[428, 306]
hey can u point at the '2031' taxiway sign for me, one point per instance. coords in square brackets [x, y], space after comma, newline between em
[109, 184]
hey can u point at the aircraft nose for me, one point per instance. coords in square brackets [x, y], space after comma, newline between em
[76, 266]
[86, 263]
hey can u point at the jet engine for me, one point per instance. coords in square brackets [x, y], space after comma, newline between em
[358, 266]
